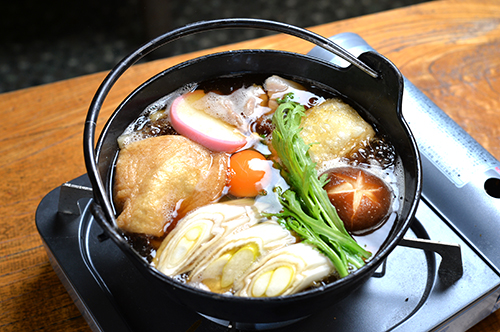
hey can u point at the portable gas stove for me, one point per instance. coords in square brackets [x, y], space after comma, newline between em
[414, 290]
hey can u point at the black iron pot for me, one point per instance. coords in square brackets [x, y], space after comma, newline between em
[372, 82]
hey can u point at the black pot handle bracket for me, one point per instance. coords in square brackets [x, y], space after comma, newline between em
[451, 267]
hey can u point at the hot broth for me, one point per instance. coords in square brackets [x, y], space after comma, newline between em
[374, 155]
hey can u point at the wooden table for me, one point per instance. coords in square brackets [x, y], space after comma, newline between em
[449, 49]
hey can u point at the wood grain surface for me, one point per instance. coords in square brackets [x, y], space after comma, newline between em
[449, 49]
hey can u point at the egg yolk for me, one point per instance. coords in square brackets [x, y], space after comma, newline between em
[247, 173]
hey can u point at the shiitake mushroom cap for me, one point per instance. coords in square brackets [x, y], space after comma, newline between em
[362, 200]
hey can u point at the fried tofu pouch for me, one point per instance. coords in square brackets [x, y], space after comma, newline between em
[161, 178]
[335, 129]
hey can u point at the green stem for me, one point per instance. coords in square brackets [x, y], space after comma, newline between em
[311, 214]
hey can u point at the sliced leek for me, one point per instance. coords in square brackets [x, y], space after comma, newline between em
[199, 232]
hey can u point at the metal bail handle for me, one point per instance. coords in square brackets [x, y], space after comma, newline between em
[190, 29]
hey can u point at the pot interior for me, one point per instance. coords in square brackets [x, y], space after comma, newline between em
[379, 100]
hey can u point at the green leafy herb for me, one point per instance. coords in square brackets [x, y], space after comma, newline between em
[307, 210]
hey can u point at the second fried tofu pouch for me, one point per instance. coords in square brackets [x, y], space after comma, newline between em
[335, 130]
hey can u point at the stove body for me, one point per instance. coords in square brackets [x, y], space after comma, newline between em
[460, 206]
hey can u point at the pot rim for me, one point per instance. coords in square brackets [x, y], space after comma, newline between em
[373, 263]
